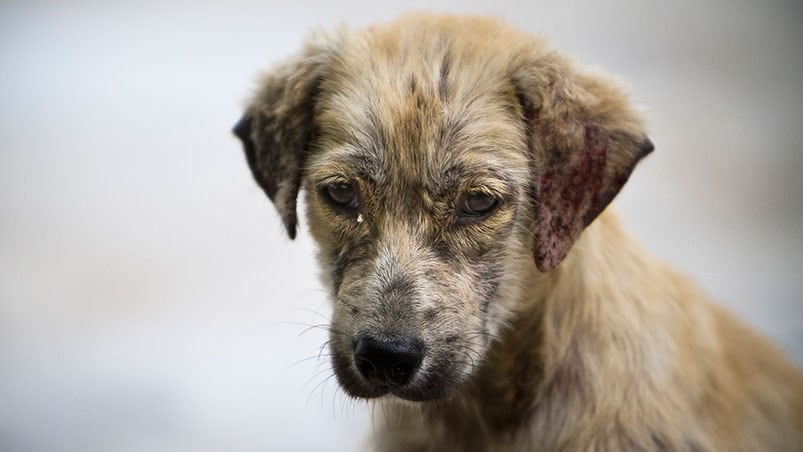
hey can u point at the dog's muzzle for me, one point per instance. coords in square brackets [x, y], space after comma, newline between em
[388, 362]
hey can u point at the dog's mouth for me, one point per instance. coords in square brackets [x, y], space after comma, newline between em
[399, 365]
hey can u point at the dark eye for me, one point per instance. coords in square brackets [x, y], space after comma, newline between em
[341, 194]
[476, 206]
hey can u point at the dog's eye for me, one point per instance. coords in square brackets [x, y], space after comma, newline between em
[341, 194]
[476, 206]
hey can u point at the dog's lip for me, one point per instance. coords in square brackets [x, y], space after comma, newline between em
[405, 392]
[415, 391]
[410, 392]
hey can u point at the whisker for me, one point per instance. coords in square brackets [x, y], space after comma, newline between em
[320, 386]
[316, 357]
[308, 292]
[318, 313]
[320, 350]
[372, 405]
[308, 326]
[313, 377]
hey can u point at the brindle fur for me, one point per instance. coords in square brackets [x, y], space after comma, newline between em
[528, 346]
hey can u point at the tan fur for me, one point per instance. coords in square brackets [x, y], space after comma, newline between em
[544, 326]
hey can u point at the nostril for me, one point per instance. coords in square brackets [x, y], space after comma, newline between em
[365, 366]
[388, 361]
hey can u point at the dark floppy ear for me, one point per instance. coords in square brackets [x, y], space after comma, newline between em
[585, 140]
[278, 123]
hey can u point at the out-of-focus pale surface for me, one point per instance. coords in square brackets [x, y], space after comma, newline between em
[149, 299]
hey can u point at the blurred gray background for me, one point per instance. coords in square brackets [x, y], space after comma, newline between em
[149, 299]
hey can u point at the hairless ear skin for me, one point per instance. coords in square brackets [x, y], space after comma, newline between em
[585, 141]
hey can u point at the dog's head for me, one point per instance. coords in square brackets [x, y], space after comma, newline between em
[441, 158]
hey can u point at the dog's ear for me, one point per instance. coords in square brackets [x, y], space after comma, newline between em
[585, 139]
[278, 123]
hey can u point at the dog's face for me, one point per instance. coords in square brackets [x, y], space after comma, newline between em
[441, 158]
[419, 202]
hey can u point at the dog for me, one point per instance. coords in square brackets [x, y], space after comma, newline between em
[456, 173]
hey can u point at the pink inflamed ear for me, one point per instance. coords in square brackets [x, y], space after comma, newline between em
[585, 139]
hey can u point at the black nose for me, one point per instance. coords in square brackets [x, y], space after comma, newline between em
[388, 362]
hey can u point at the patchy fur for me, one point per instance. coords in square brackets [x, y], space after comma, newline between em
[456, 172]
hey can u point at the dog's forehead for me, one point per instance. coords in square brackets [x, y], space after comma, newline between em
[422, 115]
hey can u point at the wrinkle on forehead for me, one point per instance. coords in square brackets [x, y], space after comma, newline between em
[412, 124]
[400, 141]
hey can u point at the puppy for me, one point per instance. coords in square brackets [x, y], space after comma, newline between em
[456, 172]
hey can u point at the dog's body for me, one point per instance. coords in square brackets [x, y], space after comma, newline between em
[615, 351]
[450, 165]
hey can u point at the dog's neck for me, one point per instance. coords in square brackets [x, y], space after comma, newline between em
[506, 386]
